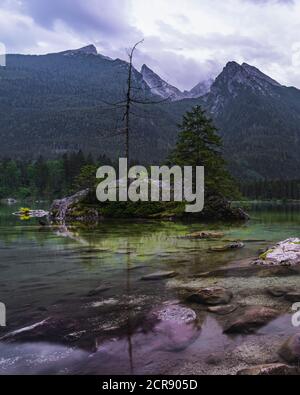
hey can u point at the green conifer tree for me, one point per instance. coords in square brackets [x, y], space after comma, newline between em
[199, 145]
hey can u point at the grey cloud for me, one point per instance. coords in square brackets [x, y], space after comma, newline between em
[108, 24]
[102, 22]
[176, 68]
[105, 16]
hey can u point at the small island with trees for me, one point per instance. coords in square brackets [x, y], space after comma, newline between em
[198, 145]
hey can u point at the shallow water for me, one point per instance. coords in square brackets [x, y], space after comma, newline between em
[48, 273]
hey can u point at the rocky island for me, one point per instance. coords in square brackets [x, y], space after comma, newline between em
[83, 207]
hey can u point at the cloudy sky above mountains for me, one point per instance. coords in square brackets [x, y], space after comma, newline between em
[185, 40]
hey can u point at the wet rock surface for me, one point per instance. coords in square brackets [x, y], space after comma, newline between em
[278, 292]
[99, 290]
[275, 369]
[175, 313]
[46, 330]
[66, 209]
[159, 276]
[251, 319]
[222, 310]
[211, 296]
[177, 327]
[290, 350]
[285, 253]
[228, 247]
[202, 235]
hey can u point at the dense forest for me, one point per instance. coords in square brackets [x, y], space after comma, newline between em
[270, 190]
[47, 179]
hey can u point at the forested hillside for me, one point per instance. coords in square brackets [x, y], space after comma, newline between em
[62, 103]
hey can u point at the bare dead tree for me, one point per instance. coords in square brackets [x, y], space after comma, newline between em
[130, 100]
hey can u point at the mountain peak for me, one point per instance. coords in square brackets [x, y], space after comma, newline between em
[248, 71]
[145, 69]
[158, 85]
[256, 73]
[232, 65]
[235, 75]
[87, 50]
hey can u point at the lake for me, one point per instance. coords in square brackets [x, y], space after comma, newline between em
[76, 299]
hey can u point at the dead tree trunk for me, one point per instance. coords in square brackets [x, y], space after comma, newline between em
[129, 101]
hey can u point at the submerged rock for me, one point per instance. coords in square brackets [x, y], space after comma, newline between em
[175, 328]
[159, 276]
[175, 313]
[99, 290]
[273, 369]
[222, 310]
[278, 292]
[285, 253]
[228, 247]
[27, 329]
[251, 319]
[205, 235]
[290, 350]
[212, 296]
[277, 271]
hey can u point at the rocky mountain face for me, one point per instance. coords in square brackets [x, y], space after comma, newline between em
[202, 88]
[259, 120]
[58, 103]
[235, 78]
[160, 87]
[167, 91]
[88, 50]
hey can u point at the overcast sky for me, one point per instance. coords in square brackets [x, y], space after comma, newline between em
[186, 41]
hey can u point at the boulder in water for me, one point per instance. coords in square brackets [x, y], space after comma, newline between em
[211, 296]
[222, 310]
[175, 327]
[202, 235]
[290, 350]
[251, 319]
[228, 247]
[285, 253]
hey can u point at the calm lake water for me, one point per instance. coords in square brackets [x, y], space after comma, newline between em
[48, 273]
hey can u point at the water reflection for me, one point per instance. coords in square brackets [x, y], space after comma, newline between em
[50, 271]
